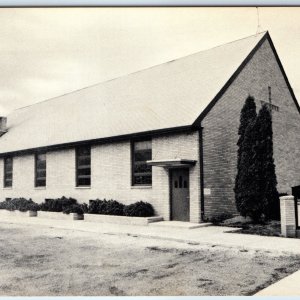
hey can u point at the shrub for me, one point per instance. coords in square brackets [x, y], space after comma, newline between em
[220, 218]
[93, 206]
[104, 207]
[114, 207]
[139, 209]
[84, 207]
[33, 207]
[58, 205]
[76, 208]
[20, 204]
[3, 204]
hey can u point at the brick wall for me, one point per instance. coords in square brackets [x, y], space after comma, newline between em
[185, 146]
[221, 128]
[111, 174]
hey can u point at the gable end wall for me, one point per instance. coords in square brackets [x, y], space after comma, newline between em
[220, 131]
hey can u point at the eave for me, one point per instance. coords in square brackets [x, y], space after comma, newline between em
[113, 139]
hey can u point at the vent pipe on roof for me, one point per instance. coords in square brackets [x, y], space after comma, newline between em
[3, 127]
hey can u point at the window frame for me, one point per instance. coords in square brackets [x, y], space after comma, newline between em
[133, 162]
[5, 172]
[36, 178]
[77, 176]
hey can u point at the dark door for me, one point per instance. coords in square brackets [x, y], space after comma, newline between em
[180, 195]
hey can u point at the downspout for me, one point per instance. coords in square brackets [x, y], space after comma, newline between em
[201, 169]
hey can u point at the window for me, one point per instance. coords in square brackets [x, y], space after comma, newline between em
[40, 170]
[180, 182]
[185, 185]
[83, 166]
[8, 171]
[141, 172]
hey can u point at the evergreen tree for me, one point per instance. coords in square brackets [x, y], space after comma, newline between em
[248, 190]
[242, 183]
[264, 162]
[248, 114]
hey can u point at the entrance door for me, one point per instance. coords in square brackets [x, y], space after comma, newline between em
[180, 195]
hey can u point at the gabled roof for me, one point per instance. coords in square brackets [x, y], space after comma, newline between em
[170, 95]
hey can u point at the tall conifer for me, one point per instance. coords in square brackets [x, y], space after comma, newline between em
[242, 183]
[265, 166]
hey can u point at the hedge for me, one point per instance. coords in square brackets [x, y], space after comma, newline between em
[20, 204]
[113, 207]
[70, 205]
[106, 207]
[57, 205]
[139, 209]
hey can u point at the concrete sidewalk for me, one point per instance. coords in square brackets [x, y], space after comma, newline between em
[211, 235]
[288, 286]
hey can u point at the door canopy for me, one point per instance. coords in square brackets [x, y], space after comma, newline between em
[172, 163]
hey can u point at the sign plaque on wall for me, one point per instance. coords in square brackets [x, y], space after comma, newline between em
[207, 191]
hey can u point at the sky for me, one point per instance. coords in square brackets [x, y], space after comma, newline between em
[47, 52]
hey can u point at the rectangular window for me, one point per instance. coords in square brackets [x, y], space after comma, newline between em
[141, 172]
[40, 169]
[83, 166]
[8, 172]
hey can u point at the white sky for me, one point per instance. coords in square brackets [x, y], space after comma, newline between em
[46, 52]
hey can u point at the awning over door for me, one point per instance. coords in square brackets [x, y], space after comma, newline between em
[172, 163]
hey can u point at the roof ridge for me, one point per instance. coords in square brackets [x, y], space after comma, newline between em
[141, 70]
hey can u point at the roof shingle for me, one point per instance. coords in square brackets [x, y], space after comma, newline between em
[169, 95]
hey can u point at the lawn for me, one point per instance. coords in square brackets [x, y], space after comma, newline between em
[59, 262]
[269, 228]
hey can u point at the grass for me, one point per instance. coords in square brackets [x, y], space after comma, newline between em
[270, 228]
[48, 261]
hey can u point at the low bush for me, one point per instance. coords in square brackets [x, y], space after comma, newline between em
[70, 205]
[139, 209]
[93, 206]
[3, 204]
[76, 208]
[33, 206]
[115, 208]
[84, 207]
[20, 204]
[106, 207]
[220, 218]
[57, 205]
